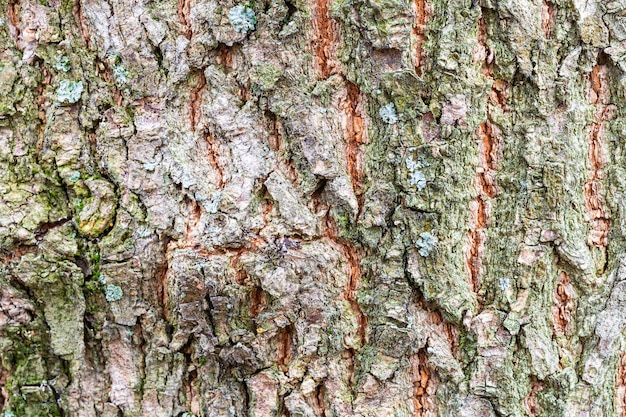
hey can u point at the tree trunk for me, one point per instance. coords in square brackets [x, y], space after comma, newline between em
[312, 208]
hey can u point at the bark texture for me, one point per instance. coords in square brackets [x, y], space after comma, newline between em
[312, 208]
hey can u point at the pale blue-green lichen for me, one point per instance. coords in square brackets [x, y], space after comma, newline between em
[75, 176]
[426, 243]
[62, 63]
[242, 18]
[120, 74]
[113, 293]
[504, 283]
[213, 205]
[416, 177]
[388, 114]
[69, 91]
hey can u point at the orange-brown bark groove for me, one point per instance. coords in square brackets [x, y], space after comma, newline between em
[548, 18]
[530, 402]
[620, 386]
[325, 38]
[284, 347]
[488, 58]
[354, 136]
[485, 180]
[419, 32]
[212, 154]
[78, 15]
[421, 384]
[599, 216]
[183, 8]
[353, 257]
[196, 101]
[13, 14]
[480, 207]
[564, 304]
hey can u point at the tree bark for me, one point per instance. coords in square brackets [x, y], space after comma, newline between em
[312, 208]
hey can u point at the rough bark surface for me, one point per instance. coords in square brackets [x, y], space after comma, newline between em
[332, 208]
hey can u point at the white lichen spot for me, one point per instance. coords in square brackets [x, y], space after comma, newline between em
[504, 284]
[9, 414]
[426, 243]
[242, 18]
[211, 207]
[388, 114]
[75, 176]
[113, 293]
[62, 63]
[417, 177]
[120, 74]
[69, 91]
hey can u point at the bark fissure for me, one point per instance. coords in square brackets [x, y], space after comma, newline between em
[599, 97]
[530, 402]
[80, 20]
[422, 403]
[354, 136]
[480, 207]
[548, 17]
[563, 306]
[419, 33]
[183, 8]
[196, 102]
[620, 385]
[213, 155]
[324, 38]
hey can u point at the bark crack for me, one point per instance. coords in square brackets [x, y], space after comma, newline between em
[564, 304]
[419, 27]
[354, 135]
[183, 8]
[599, 96]
[548, 18]
[324, 39]
[80, 19]
[196, 102]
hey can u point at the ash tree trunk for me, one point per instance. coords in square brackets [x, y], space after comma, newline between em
[312, 208]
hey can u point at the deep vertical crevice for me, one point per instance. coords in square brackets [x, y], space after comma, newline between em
[354, 137]
[324, 38]
[599, 97]
[196, 102]
[419, 33]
